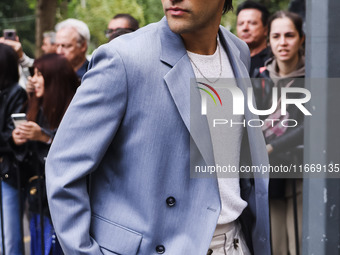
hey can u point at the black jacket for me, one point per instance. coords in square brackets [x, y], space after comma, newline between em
[31, 157]
[293, 136]
[12, 100]
[287, 147]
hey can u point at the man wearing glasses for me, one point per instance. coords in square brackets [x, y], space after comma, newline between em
[121, 21]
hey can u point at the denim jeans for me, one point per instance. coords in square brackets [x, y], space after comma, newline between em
[12, 218]
[51, 243]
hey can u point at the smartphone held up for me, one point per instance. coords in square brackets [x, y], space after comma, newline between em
[10, 34]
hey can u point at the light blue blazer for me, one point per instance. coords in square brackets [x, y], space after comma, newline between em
[128, 127]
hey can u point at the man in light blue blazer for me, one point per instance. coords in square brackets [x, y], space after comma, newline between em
[118, 172]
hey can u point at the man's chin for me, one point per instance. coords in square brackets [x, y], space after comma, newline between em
[253, 45]
[177, 26]
[248, 41]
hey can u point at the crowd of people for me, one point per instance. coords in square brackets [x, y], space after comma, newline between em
[106, 137]
[278, 64]
[44, 97]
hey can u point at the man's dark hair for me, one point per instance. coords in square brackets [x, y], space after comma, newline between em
[133, 23]
[254, 5]
[228, 6]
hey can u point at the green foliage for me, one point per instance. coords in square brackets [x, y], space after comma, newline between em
[19, 15]
[229, 19]
[153, 10]
[275, 5]
[32, 4]
[97, 14]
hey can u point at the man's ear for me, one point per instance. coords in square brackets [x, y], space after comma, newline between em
[266, 30]
[83, 47]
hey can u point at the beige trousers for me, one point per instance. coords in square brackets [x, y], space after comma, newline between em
[229, 240]
[282, 221]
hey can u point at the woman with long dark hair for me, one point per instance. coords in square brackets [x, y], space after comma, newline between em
[12, 98]
[55, 84]
[284, 144]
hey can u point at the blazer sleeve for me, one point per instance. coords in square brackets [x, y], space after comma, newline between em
[86, 131]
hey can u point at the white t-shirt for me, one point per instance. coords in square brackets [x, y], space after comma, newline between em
[226, 140]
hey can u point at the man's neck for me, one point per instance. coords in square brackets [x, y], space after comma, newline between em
[79, 64]
[201, 43]
[257, 49]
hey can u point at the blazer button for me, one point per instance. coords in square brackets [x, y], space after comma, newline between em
[210, 251]
[171, 201]
[160, 249]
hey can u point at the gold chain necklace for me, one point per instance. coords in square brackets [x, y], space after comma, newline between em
[220, 58]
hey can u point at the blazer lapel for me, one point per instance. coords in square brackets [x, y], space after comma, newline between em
[181, 84]
[239, 69]
[256, 140]
[234, 55]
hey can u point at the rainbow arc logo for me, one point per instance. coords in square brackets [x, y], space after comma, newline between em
[204, 99]
[209, 93]
[238, 99]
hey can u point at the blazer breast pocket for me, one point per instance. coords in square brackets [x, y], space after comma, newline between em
[114, 238]
[107, 252]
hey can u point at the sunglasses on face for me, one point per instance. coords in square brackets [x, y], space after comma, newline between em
[109, 31]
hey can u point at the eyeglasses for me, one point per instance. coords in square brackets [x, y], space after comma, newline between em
[109, 31]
